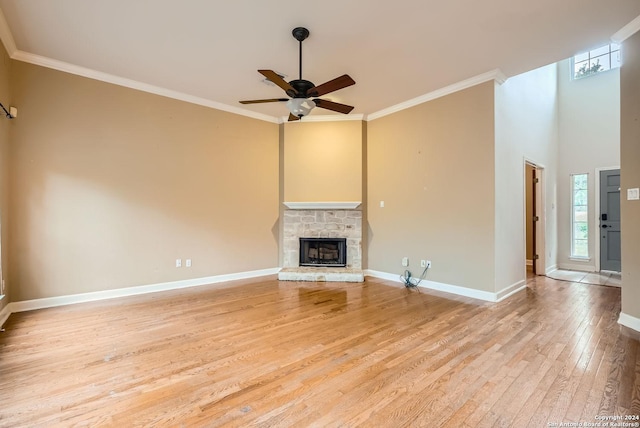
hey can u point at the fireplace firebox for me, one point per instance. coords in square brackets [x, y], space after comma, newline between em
[323, 252]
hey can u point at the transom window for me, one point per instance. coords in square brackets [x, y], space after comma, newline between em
[596, 61]
[579, 216]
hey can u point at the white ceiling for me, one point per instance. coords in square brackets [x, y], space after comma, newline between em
[210, 51]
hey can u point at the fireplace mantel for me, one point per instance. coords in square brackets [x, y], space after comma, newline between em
[323, 205]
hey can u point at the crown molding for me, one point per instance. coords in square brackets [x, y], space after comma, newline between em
[134, 84]
[14, 53]
[627, 31]
[6, 36]
[495, 75]
[324, 118]
[9, 43]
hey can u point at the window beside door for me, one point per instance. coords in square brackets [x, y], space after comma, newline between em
[579, 216]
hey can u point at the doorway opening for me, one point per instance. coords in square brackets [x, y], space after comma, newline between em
[534, 219]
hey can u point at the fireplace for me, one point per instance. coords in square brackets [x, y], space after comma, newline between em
[322, 224]
[323, 252]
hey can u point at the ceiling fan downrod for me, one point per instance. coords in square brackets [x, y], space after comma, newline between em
[300, 34]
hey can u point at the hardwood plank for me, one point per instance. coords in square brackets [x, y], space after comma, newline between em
[269, 353]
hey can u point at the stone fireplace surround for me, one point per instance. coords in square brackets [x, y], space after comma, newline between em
[322, 220]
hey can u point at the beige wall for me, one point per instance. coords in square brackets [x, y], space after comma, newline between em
[323, 161]
[111, 185]
[364, 207]
[433, 166]
[630, 174]
[5, 140]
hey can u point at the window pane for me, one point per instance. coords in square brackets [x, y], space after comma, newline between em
[581, 248]
[581, 57]
[599, 51]
[580, 214]
[600, 63]
[580, 197]
[580, 231]
[581, 69]
[615, 47]
[579, 181]
[615, 59]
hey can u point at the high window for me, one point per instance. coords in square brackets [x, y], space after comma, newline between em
[597, 60]
[579, 216]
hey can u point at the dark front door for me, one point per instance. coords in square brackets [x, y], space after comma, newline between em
[610, 220]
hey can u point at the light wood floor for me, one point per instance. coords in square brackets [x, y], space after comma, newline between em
[312, 354]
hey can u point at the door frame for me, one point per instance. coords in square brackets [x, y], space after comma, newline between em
[596, 217]
[540, 210]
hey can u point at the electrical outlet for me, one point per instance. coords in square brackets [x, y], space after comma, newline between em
[405, 261]
[188, 262]
[178, 262]
[428, 266]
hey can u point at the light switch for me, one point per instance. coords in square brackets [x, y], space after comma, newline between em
[381, 204]
[633, 194]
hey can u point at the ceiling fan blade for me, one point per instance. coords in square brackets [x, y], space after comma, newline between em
[269, 100]
[275, 78]
[292, 117]
[330, 105]
[330, 86]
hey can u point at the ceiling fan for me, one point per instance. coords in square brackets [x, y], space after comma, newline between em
[301, 91]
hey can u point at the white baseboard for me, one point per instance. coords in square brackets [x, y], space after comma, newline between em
[629, 321]
[455, 289]
[49, 302]
[4, 314]
[511, 290]
[550, 269]
[460, 291]
[382, 275]
[529, 262]
[577, 266]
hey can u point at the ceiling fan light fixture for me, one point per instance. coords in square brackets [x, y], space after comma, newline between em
[300, 106]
